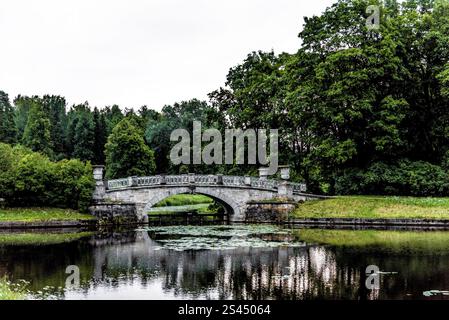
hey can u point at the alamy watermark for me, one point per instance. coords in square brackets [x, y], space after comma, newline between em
[73, 280]
[372, 281]
[373, 273]
[190, 150]
[373, 20]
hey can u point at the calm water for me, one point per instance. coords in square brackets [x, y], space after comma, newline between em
[229, 262]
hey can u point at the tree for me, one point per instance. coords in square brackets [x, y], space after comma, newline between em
[55, 107]
[100, 136]
[8, 131]
[84, 138]
[351, 97]
[37, 131]
[22, 108]
[127, 154]
[113, 116]
[180, 116]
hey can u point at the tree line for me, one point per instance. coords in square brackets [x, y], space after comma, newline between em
[359, 110]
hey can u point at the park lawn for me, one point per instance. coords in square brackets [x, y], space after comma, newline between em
[184, 199]
[201, 208]
[41, 215]
[374, 207]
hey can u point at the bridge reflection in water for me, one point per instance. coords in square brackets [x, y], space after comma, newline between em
[136, 265]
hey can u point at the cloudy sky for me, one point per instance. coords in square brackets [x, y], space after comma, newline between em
[137, 52]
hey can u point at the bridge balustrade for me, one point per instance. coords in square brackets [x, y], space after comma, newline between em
[235, 181]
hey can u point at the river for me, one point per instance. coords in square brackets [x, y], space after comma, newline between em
[228, 262]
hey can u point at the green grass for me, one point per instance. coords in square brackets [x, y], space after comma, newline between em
[10, 291]
[368, 207]
[202, 208]
[17, 239]
[184, 199]
[398, 242]
[41, 215]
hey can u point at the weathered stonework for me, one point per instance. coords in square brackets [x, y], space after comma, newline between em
[100, 188]
[266, 211]
[233, 192]
[114, 213]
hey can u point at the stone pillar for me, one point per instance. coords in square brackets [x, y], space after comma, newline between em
[263, 173]
[100, 188]
[132, 181]
[285, 172]
[247, 180]
[285, 190]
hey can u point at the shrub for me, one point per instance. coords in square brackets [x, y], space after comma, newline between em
[402, 178]
[30, 179]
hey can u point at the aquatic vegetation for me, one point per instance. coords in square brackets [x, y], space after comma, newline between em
[435, 293]
[12, 291]
[180, 238]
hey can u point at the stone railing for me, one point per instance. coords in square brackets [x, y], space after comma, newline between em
[187, 179]
[299, 187]
[118, 183]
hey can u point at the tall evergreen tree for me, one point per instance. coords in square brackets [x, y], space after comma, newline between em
[84, 141]
[56, 108]
[113, 116]
[100, 136]
[22, 108]
[8, 131]
[36, 135]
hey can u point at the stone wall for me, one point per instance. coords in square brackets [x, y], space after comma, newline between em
[269, 211]
[115, 213]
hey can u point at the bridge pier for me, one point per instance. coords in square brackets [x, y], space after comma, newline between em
[100, 187]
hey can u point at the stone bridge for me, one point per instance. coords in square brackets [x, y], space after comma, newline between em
[233, 192]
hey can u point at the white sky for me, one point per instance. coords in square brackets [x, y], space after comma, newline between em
[137, 52]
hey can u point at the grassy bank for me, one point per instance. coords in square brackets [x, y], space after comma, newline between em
[184, 199]
[10, 291]
[368, 207]
[37, 239]
[41, 215]
[202, 208]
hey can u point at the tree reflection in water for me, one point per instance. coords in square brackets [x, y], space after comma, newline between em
[133, 263]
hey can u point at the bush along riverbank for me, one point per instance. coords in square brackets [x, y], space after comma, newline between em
[374, 210]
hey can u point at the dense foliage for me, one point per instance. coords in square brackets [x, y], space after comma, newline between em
[29, 178]
[127, 154]
[359, 110]
[353, 100]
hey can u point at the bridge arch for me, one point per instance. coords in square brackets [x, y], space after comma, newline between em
[231, 207]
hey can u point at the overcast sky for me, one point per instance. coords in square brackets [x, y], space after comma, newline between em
[137, 52]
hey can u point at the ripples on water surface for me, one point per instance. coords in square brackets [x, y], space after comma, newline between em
[229, 262]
